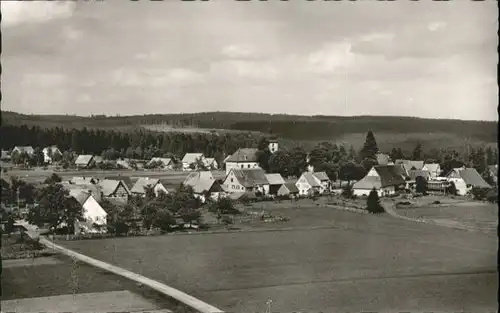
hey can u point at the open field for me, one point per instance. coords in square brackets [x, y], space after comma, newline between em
[479, 215]
[39, 175]
[360, 263]
[59, 275]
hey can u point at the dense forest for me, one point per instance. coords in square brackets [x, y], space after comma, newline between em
[286, 126]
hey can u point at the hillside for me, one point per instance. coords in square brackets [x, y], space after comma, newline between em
[390, 131]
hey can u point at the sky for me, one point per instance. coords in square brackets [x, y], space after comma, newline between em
[423, 58]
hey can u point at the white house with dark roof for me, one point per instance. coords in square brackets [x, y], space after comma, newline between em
[115, 190]
[465, 179]
[203, 184]
[246, 180]
[273, 145]
[191, 160]
[142, 183]
[24, 149]
[93, 213]
[49, 152]
[312, 182]
[243, 158]
[386, 179]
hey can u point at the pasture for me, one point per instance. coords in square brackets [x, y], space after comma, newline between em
[355, 263]
[38, 175]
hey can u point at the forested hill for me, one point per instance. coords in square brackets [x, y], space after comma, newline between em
[285, 126]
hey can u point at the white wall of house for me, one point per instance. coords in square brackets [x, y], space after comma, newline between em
[385, 191]
[158, 188]
[231, 165]
[232, 184]
[93, 212]
[273, 147]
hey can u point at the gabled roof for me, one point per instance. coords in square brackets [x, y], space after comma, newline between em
[409, 164]
[210, 161]
[321, 176]
[291, 187]
[432, 167]
[200, 181]
[388, 175]
[5, 154]
[472, 177]
[53, 148]
[191, 157]
[275, 179]
[94, 190]
[123, 163]
[108, 186]
[400, 169]
[27, 149]
[126, 179]
[416, 173]
[144, 182]
[165, 161]
[98, 159]
[311, 179]
[243, 155]
[250, 177]
[84, 159]
[80, 195]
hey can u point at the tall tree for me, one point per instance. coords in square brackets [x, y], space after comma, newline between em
[370, 147]
[417, 152]
[280, 162]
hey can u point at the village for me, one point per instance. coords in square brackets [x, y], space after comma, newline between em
[103, 191]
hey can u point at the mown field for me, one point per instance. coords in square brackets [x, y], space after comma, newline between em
[39, 175]
[357, 263]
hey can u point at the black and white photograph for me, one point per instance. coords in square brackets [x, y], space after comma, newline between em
[230, 156]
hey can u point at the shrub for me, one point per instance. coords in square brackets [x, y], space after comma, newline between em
[373, 203]
[479, 193]
[452, 189]
[436, 202]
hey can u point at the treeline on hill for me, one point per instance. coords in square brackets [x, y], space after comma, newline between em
[139, 144]
[286, 126]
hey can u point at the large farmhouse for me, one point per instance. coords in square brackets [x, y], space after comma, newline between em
[385, 179]
[243, 158]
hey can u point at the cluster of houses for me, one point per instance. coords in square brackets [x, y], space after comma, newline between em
[387, 177]
[48, 152]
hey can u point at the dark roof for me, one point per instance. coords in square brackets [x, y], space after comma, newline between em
[126, 179]
[321, 176]
[243, 155]
[292, 187]
[472, 177]
[389, 175]
[399, 168]
[250, 177]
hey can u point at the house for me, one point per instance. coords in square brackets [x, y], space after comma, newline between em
[24, 149]
[84, 161]
[434, 169]
[126, 179]
[313, 182]
[324, 181]
[124, 163]
[409, 165]
[273, 145]
[383, 159]
[275, 182]
[384, 178]
[190, 161]
[416, 173]
[49, 152]
[144, 182]
[211, 163]
[114, 190]
[249, 179]
[465, 179]
[288, 189]
[163, 163]
[242, 158]
[93, 213]
[98, 159]
[204, 184]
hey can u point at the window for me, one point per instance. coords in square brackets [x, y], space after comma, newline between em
[242, 165]
[231, 179]
[248, 166]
